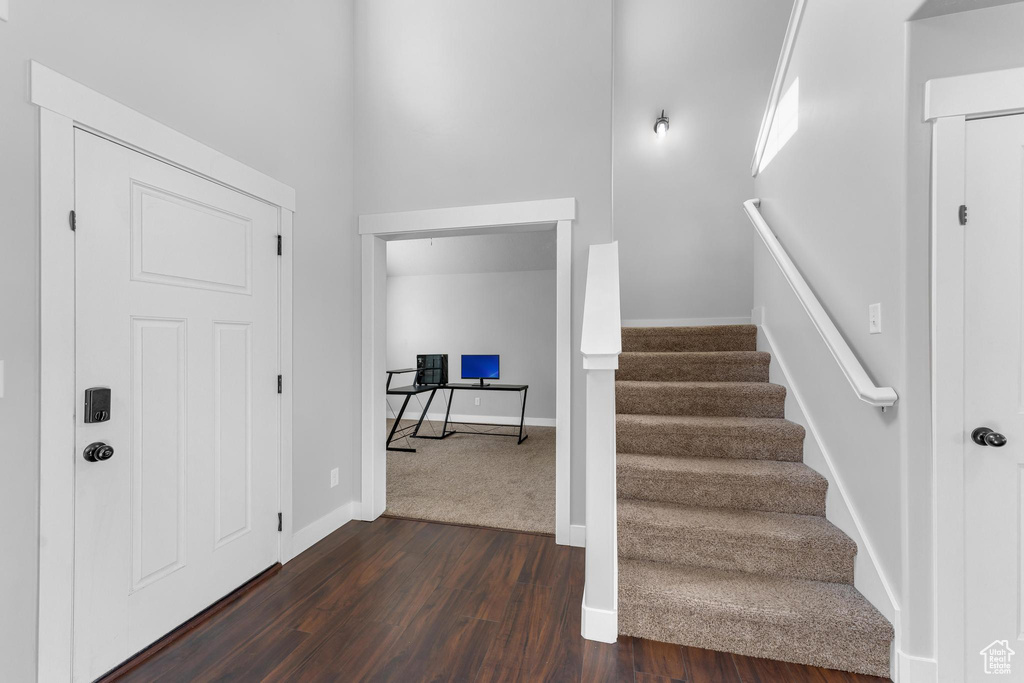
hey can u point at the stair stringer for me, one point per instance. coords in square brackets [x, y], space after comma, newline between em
[868, 576]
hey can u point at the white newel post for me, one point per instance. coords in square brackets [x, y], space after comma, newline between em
[602, 343]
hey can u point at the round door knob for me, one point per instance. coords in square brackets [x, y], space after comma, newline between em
[983, 436]
[98, 452]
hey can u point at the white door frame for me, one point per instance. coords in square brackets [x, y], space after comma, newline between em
[949, 104]
[65, 105]
[375, 230]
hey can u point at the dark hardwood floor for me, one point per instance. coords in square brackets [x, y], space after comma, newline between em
[399, 600]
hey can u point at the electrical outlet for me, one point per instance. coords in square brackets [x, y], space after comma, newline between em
[476, 401]
[4, 10]
[334, 477]
[875, 319]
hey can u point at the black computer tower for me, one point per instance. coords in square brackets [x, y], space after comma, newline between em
[432, 368]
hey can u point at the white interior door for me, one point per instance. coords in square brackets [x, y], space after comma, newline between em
[994, 398]
[177, 313]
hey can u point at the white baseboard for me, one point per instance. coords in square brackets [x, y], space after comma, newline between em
[491, 419]
[578, 535]
[311, 534]
[685, 322]
[599, 624]
[911, 669]
[869, 578]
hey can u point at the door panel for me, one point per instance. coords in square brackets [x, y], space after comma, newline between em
[232, 429]
[994, 392]
[157, 426]
[177, 313]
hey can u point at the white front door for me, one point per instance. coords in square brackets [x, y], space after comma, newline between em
[177, 314]
[994, 399]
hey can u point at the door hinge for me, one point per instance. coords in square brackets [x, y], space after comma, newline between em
[278, 245]
[280, 384]
[280, 521]
[73, 220]
[962, 213]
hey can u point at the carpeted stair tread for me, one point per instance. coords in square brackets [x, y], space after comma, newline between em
[697, 366]
[822, 624]
[710, 437]
[781, 544]
[768, 485]
[697, 338]
[709, 399]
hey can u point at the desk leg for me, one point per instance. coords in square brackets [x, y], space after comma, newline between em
[394, 428]
[423, 415]
[522, 418]
[444, 427]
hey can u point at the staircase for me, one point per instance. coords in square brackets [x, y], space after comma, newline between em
[722, 538]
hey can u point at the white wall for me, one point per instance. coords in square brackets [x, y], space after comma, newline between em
[484, 101]
[834, 195]
[951, 45]
[266, 82]
[684, 243]
[508, 313]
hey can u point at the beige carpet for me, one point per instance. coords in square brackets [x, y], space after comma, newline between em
[479, 480]
[723, 540]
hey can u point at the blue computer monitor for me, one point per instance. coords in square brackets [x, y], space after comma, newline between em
[480, 367]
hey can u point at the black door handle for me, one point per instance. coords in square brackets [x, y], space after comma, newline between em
[983, 436]
[98, 452]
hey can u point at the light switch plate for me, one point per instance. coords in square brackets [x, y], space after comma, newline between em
[875, 319]
[5, 9]
[334, 477]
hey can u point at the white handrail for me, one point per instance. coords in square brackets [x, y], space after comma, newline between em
[865, 389]
[601, 345]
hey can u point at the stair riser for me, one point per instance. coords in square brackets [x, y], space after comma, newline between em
[767, 556]
[775, 494]
[669, 440]
[803, 642]
[725, 338]
[652, 399]
[687, 368]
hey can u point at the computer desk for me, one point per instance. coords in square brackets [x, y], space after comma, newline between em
[415, 389]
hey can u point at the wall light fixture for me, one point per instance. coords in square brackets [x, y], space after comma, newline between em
[661, 125]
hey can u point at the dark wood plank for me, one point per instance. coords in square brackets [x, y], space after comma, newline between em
[441, 643]
[352, 652]
[547, 563]
[259, 657]
[442, 557]
[709, 666]
[560, 657]
[491, 571]
[660, 659]
[522, 633]
[757, 670]
[641, 677]
[406, 601]
[608, 661]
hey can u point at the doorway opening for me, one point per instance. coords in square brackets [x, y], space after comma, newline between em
[377, 230]
[471, 380]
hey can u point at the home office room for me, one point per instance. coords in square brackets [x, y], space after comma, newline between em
[470, 382]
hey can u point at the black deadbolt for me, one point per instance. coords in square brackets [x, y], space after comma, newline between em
[97, 405]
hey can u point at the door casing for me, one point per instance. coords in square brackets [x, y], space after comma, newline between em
[65, 105]
[949, 104]
[377, 229]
